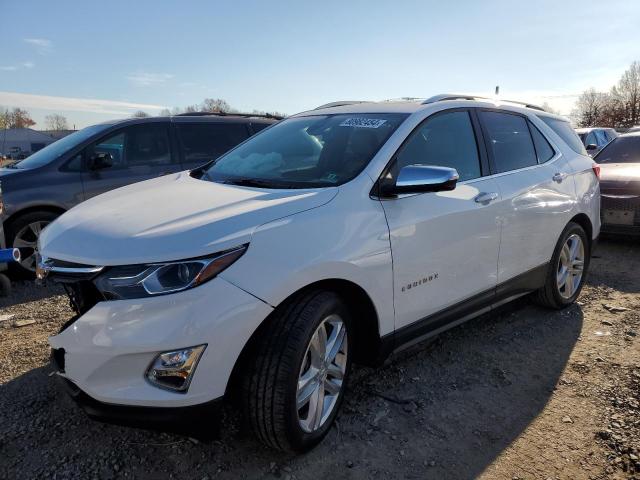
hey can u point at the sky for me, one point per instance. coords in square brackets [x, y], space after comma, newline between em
[96, 61]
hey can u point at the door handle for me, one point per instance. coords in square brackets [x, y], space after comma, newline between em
[486, 197]
[558, 177]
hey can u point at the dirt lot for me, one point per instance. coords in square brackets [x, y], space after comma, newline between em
[521, 394]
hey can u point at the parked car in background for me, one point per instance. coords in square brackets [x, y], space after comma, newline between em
[620, 184]
[266, 273]
[595, 138]
[107, 156]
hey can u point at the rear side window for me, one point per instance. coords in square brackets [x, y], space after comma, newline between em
[445, 140]
[621, 150]
[202, 142]
[509, 141]
[565, 132]
[544, 150]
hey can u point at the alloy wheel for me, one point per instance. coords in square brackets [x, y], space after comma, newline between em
[322, 373]
[570, 266]
[27, 241]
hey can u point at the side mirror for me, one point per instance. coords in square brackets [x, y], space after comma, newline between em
[591, 146]
[101, 161]
[422, 178]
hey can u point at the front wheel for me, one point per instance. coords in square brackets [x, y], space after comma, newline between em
[295, 380]
[23, 234]
[567, 270]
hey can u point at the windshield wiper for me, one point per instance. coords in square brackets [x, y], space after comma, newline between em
[254, 182]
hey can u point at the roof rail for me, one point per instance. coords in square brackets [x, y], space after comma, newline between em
[228, 114]
[525, 104]
[453, 96]
[341, 103]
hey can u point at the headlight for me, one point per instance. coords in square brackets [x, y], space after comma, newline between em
[136, 281]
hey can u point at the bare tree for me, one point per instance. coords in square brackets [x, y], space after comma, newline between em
[191, 108]
[56, 122]
[590, 108]
[16, 118]
[165, 112]
[549, 108]
[140, 114]
[627, 93]
[215, 105]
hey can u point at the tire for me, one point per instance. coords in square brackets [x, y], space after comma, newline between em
[282, 357]
[554, 294]
[21, 227]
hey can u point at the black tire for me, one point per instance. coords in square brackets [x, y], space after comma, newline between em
[549, 296]
[13, 228]
[269, 385]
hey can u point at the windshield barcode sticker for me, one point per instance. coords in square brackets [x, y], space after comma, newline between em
[363, 122]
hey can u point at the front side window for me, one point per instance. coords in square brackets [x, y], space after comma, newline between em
[509, 141]
[112, 145]
[203, 142]
[444, 140]
[306, 152]
[621, 150]
[565, 132]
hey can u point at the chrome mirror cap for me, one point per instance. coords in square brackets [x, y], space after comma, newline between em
[424, 178]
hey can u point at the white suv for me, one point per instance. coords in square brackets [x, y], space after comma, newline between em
[338, 235]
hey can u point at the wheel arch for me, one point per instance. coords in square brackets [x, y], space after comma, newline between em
[584, 221]
[35, 208]
[367, 341]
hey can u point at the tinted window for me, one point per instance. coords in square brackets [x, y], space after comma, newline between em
[259, 126]
[137, 146]
[148, 145]
[544, 150]
[591, 139]
[113, 145]
[202, 142]
[565, 132]
[601, 137]
[509, 141]
[306, 152]
[445, 140]
[621, 150]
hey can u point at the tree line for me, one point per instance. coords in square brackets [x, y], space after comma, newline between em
[20, 118]
[617, 108]
[210, 105]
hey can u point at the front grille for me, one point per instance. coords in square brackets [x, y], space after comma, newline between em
[620, 203]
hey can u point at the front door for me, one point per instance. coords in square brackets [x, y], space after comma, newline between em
[444, 245]
[138, 153]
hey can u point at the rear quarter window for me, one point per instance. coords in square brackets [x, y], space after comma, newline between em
[565, 132]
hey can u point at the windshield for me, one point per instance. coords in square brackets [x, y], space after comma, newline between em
[53, 151]
[306, 152]
[621, 150]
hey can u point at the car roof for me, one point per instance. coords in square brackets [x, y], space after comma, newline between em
[413, 105]
[631, 134]
[200, 118]
[590, 129]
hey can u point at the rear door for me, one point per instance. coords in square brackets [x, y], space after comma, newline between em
[201, 142]
[138, 152]
[537, 193]
[445, 244]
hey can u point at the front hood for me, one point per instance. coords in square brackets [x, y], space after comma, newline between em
[169, 218]
[620, 178]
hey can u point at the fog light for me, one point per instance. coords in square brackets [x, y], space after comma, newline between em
[174, 370]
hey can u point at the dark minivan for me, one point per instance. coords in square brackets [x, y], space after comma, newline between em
[107, 156]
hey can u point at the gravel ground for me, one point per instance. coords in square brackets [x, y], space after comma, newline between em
[524, 393]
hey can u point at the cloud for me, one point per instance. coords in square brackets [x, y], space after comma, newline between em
[46, 102]
[144, 79]
[13, 68]
[42, 45]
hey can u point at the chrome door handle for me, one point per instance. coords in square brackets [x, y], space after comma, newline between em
[486, 197]
[558, 177]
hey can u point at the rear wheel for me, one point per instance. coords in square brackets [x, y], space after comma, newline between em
[23, 234]
[295, 380]
[567, 270]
